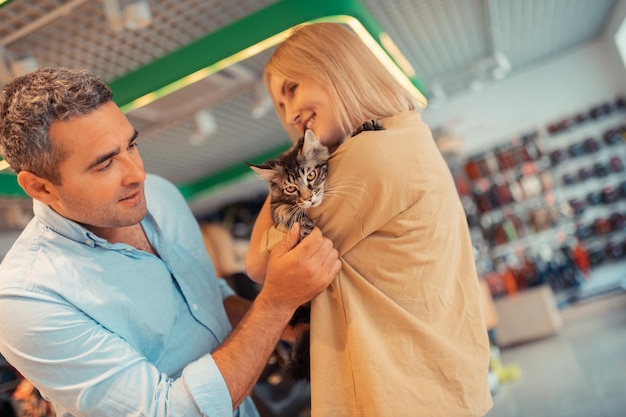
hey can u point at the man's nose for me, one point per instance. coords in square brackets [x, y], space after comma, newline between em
[134, 169]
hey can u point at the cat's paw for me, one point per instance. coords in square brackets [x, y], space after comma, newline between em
[306, 227]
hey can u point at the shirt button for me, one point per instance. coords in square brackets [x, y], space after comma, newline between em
[194, 306]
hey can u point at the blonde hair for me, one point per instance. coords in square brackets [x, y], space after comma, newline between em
[330, 54]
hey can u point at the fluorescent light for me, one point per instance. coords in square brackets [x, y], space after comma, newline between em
[23, 64]
[113, 13]
[137, 15]
[620, 41]
[262, 103]
[399, 57]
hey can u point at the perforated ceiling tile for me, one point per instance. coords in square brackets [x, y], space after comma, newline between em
[83, 38]
[18, 14]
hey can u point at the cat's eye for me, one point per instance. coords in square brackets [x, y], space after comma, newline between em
[290, 189]
[312, 175]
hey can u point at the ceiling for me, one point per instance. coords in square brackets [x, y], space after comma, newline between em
[449, 43]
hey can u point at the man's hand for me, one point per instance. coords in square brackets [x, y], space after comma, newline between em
[296, 274]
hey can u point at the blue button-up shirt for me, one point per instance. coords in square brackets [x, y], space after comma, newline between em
[108, 330]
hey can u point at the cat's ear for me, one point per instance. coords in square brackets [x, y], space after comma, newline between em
[266, 171]
[310, 141]
[309, 136]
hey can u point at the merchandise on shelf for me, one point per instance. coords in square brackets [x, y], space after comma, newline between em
[550, 205]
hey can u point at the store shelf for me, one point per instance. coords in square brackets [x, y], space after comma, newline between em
[554, 197]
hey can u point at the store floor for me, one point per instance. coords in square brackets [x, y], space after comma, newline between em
[579, 372]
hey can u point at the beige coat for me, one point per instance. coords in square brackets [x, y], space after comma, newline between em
[401, 330]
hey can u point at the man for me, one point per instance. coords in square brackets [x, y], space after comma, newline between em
[109, 301]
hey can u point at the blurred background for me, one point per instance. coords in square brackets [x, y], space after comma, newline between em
[526, 100]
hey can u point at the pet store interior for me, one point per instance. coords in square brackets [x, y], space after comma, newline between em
[526, 100]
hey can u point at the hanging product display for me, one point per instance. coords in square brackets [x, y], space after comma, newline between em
[550, 205]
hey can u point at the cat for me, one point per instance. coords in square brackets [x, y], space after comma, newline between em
[297, 181]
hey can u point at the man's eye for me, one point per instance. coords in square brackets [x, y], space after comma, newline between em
[106, 166]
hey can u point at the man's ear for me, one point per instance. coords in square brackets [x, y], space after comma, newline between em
[38, 188]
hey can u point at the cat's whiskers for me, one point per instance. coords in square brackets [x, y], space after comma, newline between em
[347, 187]
[295, 213]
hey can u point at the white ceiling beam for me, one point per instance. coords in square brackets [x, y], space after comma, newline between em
[41, 22]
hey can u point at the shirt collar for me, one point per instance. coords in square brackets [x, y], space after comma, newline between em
[66, 227]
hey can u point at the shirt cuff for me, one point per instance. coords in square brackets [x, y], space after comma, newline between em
[208, 388]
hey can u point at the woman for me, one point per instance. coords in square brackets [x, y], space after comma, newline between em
[400, 332]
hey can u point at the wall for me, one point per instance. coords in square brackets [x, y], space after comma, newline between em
[531, 99]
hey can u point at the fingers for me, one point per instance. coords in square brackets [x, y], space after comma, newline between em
[319, 251]
[332, 264]
[313, 264]
[313, 244]
[289, 241]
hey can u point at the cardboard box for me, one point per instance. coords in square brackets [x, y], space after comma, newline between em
[528, 315]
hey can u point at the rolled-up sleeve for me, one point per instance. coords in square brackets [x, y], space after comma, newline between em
[214, 401]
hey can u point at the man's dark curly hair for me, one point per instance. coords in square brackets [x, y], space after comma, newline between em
[31, 103]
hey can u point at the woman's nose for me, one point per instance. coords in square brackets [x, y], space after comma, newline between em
[292, 116]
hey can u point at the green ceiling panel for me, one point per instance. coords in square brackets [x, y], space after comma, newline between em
[9, 186]
[227, 175]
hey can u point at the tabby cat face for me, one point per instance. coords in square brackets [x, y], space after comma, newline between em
[297, 177]
[296, 181]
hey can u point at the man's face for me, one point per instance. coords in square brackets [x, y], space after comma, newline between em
[102, 177]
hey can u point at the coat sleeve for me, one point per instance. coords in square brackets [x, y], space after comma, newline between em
[373, 178]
